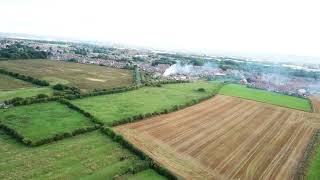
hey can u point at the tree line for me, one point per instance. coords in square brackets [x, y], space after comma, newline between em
[19, 51]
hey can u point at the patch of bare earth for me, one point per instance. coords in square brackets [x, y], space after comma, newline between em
[226, 138]
[94, 79]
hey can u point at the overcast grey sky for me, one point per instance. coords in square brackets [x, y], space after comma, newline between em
[270, 26]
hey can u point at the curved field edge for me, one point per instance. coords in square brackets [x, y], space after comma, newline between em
[315, 99]
[266, 97]
[146, 101]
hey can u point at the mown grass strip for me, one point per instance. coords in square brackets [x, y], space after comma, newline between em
[266, 97]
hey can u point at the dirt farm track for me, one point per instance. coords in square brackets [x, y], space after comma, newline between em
[315, 103]
[226, 138]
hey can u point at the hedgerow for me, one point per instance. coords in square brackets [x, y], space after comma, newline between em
[165, 111]
[27, 141]
[25, 78]
[126, 144]
[76, 108]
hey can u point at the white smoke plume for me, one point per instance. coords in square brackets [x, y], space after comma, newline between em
[178, 69]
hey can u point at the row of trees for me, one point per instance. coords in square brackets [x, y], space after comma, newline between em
[25, 78]
[19, 51]
[17, 101]
[74, 93]
[126, 144]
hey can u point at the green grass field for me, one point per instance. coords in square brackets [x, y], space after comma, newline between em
[27, 92]
[314, 169]
[40, 121]
[92, 155]
[84, 76]
[266, 96]
[146, 175]
[9, 83]
[110, 108]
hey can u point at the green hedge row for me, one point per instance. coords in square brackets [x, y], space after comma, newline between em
[165, 111]
[47, 140]
[309, 153]
[102, 92]
[126, 144]
[40, 98]
[76, 108]
[136, 76]
[25, 78]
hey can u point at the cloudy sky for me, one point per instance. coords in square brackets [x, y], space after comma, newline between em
[254, 26]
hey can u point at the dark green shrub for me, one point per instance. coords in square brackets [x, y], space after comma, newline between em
[40, 96]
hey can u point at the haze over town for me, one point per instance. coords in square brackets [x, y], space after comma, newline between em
[263, 29]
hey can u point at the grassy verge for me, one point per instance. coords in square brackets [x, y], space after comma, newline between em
[266, 97]
[116, 107]
[146, 175]
[313, 166]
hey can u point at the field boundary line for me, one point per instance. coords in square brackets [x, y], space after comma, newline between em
[118, 138]
[308, 156]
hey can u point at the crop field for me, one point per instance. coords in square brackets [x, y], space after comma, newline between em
[88, 156]
[266, 96]
[315, 103]
[226, 138]
[27, 92]
[114, 107]
[9, 83]
[84, 76]
[43, 120]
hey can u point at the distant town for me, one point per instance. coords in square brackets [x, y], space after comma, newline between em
[287, 78]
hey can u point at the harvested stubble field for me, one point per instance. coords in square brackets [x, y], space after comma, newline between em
[226, 138]
[83, 76]
[315, 103]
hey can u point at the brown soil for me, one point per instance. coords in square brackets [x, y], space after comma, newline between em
[226, 138]
[315, 103]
